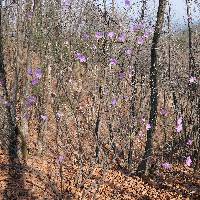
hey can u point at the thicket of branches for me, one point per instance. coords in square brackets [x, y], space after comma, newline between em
[104, 88]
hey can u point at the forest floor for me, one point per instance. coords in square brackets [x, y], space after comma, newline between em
[40, 178]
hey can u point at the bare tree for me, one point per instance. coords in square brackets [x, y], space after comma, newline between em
[143, 167]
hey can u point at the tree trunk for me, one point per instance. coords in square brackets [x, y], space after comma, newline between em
[144, 4]
[113, 9]
[143, 167]
[6, 124]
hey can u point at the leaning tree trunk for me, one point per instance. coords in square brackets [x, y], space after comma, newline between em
[7, 131]
[143, 167]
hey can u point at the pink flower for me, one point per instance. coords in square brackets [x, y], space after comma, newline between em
[180, 120]
[99, 35]
[148, 126]
[122, 37]
[146, 34]
[60, 160]
[111, 35]
[166, 165]
[143, 119]
[192, 79]
[188, 161]
[179, 128]
[137, 27]
[128, 52]
[82, 58]
[163, 112]
[113, 61]
[140, 40]
[189, 142]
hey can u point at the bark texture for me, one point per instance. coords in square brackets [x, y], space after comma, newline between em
[144, 166]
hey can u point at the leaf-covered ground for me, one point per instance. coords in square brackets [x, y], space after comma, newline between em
[40, 179]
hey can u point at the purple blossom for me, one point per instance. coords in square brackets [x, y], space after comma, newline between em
[140, 40]
[99, 35]
[192, 79]
[143, 119]
[66, 3]
[2, 82]
[111, 35]
[188, 161]
[121, 75]
[77, 55]
[114, 102]
[86, 36]
[137, 27]
[179, 128]
[30, 71]
[60, 160]
[180, 120]
[80, 57]
[113, 61]
[146, 34]
[122, 37]
[128, 52]
[134, 28]
[31, 100]
[127, 2]
[163, 112]
[38, 73]
[148, 126]
[35, 81]
[166, 165]
[189, 142]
